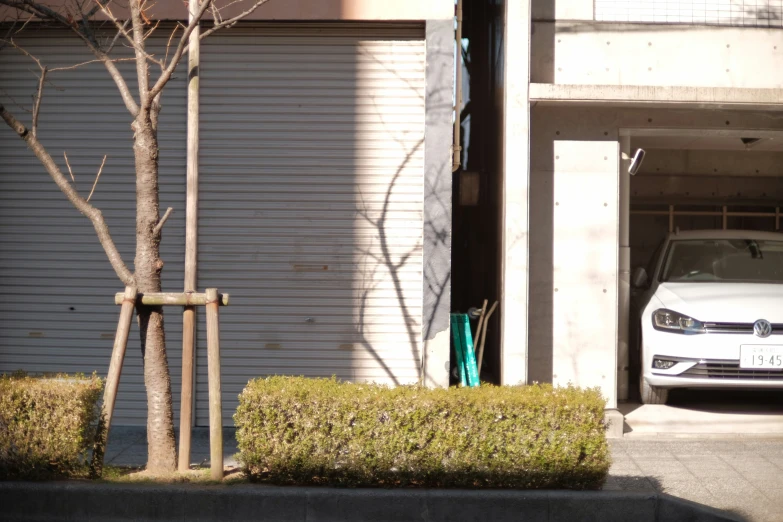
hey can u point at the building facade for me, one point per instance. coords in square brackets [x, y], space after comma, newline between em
[324, 200]
[587, 82]
[328, 209]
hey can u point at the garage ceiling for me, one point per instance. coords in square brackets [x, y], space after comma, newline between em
[707, 143]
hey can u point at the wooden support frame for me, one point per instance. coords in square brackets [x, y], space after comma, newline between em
[212, 300]
[169, 298]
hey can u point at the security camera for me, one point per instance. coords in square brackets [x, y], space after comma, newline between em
[636, 162]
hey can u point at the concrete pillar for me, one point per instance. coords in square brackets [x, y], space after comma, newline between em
[515, 193]
[585, 260]
[624, 272]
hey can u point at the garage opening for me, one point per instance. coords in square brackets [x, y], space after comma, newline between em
[702, 180]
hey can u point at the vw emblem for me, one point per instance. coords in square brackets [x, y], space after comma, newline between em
[762, 328]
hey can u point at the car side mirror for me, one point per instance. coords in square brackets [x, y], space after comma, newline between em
[639, 278]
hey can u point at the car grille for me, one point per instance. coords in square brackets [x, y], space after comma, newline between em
[730, 370]
[738, 328]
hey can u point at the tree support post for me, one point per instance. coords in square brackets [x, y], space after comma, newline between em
[113, 380]
[191, 242]
[215, 407]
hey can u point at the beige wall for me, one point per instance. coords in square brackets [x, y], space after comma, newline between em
[657, 55]
[300, 9]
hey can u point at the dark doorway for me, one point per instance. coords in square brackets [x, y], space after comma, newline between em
[476, 241]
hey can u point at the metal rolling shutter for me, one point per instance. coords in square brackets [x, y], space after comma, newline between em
[311, 199]
[57, 313]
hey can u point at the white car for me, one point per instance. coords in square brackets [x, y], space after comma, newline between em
[712, 313]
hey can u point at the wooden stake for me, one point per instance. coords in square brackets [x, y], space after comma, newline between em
[191, 242]
[480, 357]
[172, 298]
[186, 395]
[213, 368]
[113, 380]
[477, 336]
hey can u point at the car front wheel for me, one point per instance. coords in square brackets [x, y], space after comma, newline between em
[652, 394]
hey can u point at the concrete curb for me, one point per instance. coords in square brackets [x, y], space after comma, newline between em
[66, 501]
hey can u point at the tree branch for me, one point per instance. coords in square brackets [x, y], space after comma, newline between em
[165, 76]
[97, 178]
[92, 213]
[231, 21]
[162, 221]
[103, 5]
[183, 42]
[120, 32]
[37, 104]
[142, 68]
[74, 66]
[68, 164]
[47, 14]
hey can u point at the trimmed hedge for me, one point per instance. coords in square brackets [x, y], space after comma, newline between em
[294, 430]
[47, 425]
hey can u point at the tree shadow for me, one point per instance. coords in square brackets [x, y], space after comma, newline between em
[393, 268]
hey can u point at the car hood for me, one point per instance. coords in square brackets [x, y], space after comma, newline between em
[724, 302]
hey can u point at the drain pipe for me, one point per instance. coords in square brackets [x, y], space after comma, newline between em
[624, 275]
[456, 157]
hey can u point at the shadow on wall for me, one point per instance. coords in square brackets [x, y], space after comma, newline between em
[314, 211]
[433, 248]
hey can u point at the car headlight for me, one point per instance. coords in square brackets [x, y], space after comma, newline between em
[668, 321]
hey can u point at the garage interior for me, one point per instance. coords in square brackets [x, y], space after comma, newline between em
[694, 180]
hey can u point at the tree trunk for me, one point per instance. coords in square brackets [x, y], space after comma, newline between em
[162, 456]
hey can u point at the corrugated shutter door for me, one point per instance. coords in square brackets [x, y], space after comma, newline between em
[311, 197]
[57, 313]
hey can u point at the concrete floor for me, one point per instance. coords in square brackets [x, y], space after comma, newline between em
[739, 475]
[708, 413]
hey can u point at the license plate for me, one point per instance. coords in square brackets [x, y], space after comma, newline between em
[755, 356]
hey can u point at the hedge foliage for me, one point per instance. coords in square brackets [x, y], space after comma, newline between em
[294, 430]
[47, 425]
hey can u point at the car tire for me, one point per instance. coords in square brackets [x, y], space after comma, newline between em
[652, 394]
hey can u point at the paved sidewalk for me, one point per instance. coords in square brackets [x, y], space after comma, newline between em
[128, 446]
[741, 476]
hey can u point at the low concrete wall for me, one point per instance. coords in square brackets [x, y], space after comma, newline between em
[108, 502]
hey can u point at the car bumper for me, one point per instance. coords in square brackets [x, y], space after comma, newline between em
[705, 360]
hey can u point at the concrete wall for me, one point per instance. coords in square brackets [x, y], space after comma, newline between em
[437, 202]
[562, 9]
[549, 126]
[515, 157]
[763, 13]
[591, 53]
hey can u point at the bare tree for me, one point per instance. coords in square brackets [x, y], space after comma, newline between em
[87, 20]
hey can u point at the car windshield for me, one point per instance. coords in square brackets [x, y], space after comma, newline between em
[724, 260]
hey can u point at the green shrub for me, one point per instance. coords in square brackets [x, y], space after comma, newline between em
[293, 430]
[46, 425]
